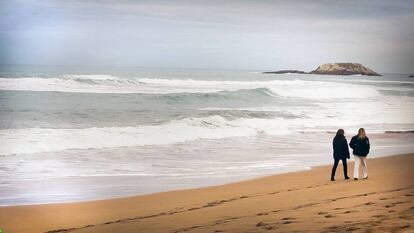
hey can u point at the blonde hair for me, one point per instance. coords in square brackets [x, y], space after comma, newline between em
[361, 133]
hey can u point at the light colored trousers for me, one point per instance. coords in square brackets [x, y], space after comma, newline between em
[363, 161]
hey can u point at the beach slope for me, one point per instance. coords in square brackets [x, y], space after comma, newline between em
[293, 202]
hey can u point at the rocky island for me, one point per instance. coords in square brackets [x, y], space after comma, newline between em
[344, 69]
[333, 69]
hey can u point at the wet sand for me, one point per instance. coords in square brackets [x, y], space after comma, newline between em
[291, 202]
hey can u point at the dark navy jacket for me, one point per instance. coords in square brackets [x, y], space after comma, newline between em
[340, 148]
[360, 146]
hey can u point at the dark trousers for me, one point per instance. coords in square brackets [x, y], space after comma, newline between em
[336, 165]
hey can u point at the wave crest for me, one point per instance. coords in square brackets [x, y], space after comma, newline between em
[36, 140]
[112, 84]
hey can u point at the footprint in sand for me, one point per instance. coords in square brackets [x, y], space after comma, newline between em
[322, 213]
[350, 211]
[261, 224]
[265, 226]
[333, 228]
[352, 229]
[268, 227]
[405, 217]
[273, 193]
[329, 216]
[394, 204]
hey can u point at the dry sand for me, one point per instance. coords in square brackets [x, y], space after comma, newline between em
[293, 202]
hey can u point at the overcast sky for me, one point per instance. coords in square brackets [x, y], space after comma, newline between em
[209, 34]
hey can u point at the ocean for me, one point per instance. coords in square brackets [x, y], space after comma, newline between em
[85, 133]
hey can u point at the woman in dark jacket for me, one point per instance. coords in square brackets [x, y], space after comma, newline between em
[340, 152]
[360, 145]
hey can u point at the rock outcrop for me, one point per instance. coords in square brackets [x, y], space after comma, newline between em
[344, 69]
[285, 72]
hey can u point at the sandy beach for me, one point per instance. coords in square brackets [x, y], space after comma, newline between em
[291, 202]
[206, 116]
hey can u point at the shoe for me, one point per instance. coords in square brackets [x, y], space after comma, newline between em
[355, 178]
[366, 178]
[347, 178]
[332, 179]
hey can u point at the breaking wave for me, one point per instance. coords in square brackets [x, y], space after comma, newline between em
[112, 84]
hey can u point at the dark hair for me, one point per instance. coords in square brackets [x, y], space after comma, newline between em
[340, 133]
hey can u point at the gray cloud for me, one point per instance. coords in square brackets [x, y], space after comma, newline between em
[210, 34]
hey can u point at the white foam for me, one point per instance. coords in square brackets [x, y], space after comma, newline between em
[325, 117]
[90, 76]
[34, 140]
[111, 84]
[283, 88]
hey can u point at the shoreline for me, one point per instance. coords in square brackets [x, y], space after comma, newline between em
[209, 203]
[168, 191]
[229, 181]
[97, 188]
